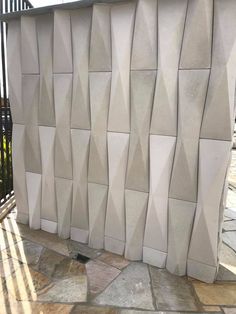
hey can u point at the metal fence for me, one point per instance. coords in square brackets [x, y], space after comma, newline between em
[6, 178]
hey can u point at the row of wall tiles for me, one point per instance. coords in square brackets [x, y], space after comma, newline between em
[78, 195]
[36, 52]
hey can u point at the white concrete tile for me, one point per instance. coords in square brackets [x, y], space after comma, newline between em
[100, 84]
[213, 161]
[142, 91]
[100, 46]
[197, 41]
[34, 184]
[118, 144]
[79, 235]
[220, 99]
[220, 91]
[81, 28]
[144, 50]
[45, 47]
[49, 226]
[32, 149]
[135, 217]
[19, 178]
[48, 205]
[180, 222]
[97, 196]
[192, 94]
[171, 17]
[122, 22]
[29, 47]
[63, 154]
[62, 46]
[154, 257]
[30, 98]
[14, 71]
[62, 99]
[80, 217]
[161, 160]
[64, 203]
[201, 271]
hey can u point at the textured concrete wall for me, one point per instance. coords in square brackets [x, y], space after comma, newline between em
[123, 117]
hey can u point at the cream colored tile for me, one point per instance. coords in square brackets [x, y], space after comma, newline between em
[216, 294]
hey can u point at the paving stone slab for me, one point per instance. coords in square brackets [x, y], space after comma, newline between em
[67, 290]
[130, 289]
[227, 259]
[114, 260]
[75, 247]
[86, 309]
[216, 294]
[229, 225]
[100, 276]
[172, 292]
[46, 239]
[230, 212]
[25, 251]
[225, 274]
[23, 307]
[230, 239]
[231, 199]
[68, 268]
[48, 261]
[27, 284]
[229, 310]
[3, 255]
[212, 309]
[227, 219]
[7, 239]
[8, 266]
[158, 312]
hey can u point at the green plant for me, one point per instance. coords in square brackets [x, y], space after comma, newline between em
[5, 167]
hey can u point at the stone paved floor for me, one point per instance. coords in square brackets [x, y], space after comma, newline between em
[39, 274]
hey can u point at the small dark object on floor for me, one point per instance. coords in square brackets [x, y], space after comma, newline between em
[81, 258]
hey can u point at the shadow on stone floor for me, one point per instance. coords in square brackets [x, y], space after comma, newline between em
[40, 275]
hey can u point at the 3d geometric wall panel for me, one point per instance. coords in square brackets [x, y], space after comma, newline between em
[123, 117]
[80, 215]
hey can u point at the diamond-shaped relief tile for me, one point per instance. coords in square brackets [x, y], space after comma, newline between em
[100, 46]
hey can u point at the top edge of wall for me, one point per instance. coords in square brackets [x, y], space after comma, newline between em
[49, 9]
